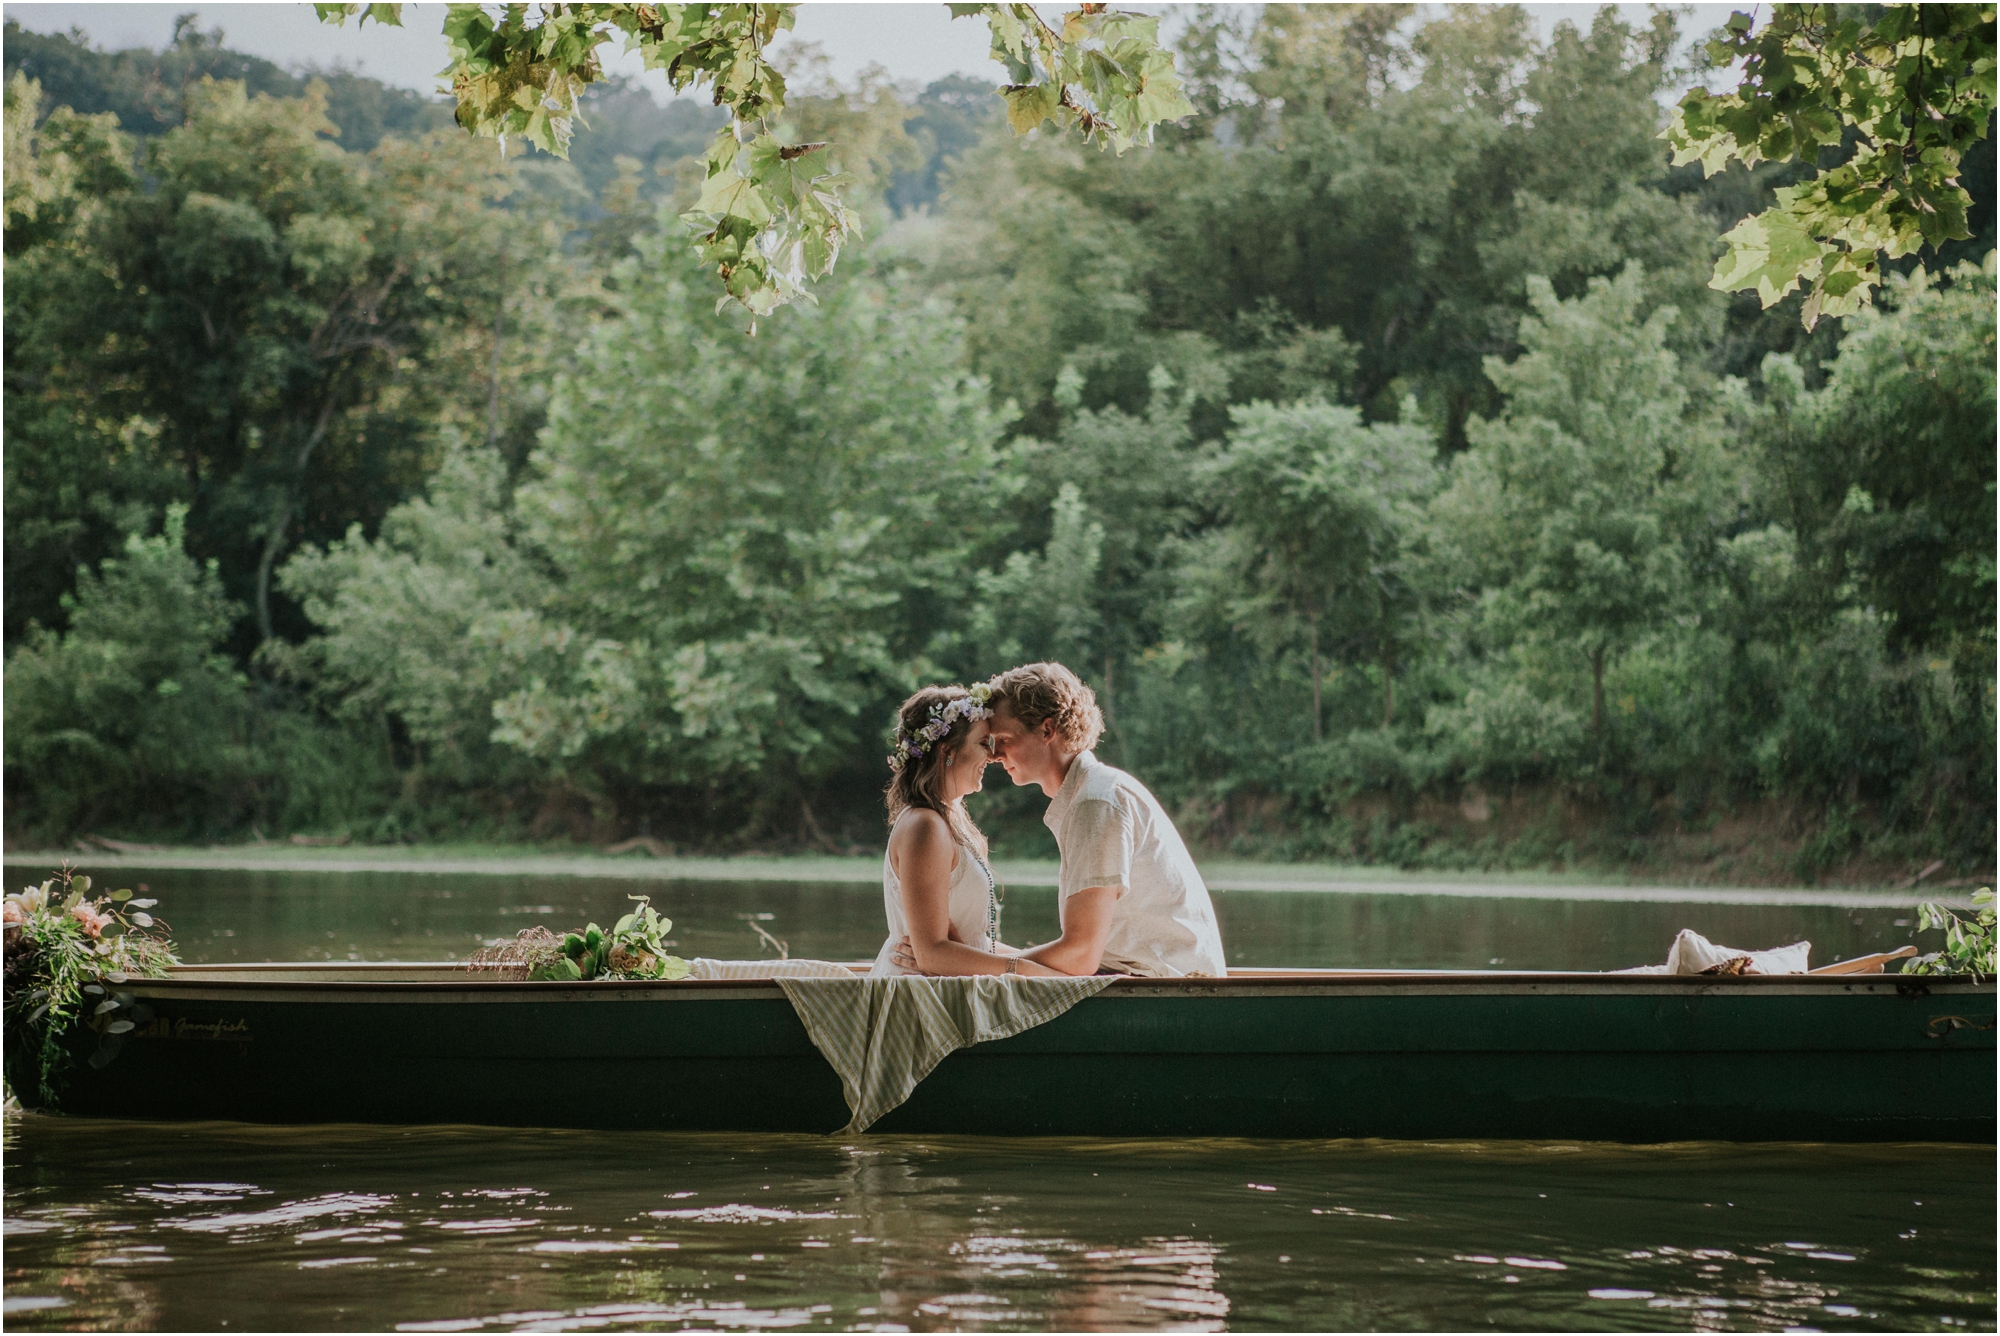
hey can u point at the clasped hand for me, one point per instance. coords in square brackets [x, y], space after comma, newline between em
[905, 958]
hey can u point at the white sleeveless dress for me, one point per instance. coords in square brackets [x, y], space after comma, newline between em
[967, 906]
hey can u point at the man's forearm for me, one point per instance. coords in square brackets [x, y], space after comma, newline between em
[1067, 956]
[1086, 925]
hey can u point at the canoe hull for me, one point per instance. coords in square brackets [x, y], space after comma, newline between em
[1569, 1057]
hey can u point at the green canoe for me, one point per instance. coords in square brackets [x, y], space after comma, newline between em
[1403, 1054]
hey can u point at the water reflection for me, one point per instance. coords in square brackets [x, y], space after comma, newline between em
[950, 1259]
[245, 916]
[228, 1227]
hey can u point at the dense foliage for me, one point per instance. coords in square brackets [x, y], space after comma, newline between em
[1375, 444]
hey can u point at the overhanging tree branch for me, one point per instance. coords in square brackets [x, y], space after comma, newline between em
[1809, 77]
[771, 218]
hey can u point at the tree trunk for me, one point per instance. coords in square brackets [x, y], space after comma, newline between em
[493, 369]
[1312, 624]
[274, 541]
[1388, 684]
[818, 837]
[1597, 693]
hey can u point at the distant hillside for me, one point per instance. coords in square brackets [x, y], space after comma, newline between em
[951, 116]
[145, 88]
[622, 119]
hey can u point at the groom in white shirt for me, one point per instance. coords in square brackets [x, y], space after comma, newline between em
[1131, 899]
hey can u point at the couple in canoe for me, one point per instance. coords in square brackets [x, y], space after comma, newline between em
[1131, 900]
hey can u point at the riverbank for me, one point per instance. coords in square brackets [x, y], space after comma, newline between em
[1222, 875]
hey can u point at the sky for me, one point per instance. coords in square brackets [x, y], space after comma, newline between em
[917, 41]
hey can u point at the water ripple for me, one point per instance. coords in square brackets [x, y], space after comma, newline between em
[444, 1229]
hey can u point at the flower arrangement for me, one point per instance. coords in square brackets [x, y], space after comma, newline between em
[66, 950]
[971, 706]
[634, 948]
[1968, 940]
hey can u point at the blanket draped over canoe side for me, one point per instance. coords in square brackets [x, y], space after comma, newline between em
[702, 967]
[883, 1035]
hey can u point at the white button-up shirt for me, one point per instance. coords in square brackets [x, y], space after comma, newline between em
[1111, 831]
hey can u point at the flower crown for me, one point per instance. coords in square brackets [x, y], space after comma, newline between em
[944, 715]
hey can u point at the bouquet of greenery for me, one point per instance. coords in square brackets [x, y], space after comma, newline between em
[634, 948]
[1968, 942]
[66, 951]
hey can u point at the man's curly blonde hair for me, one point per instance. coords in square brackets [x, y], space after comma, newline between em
[1038, 691]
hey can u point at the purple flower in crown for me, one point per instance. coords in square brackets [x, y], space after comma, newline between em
[971, 707]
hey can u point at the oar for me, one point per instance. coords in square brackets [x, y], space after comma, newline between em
[1865, 964]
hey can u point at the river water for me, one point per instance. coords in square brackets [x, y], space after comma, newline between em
[264, 915]
[142, 1226]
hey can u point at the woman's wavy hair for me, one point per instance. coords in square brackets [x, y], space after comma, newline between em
[917, 782]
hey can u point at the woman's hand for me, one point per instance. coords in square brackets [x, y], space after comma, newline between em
[905, 958]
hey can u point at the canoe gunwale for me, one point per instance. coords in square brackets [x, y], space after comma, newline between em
[460, 984]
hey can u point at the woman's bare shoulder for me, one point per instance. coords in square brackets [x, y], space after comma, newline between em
[922, 833]
[920, 824]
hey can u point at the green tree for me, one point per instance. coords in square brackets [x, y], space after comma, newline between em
[278, 322]
[413, 620]
[1894, 462]
[1296, 238]
[1881, 639]
[1575, 522]
[1044, 605]
[1320, 514]
[1326, 62]
[79, 476]
[1135, 473]
[952, 115]
[132, 718]
[754, 551]
[747, 563]
[62, 165]
[132, 697]
[122, 701]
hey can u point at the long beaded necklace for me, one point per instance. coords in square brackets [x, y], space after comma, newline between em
[993, 902]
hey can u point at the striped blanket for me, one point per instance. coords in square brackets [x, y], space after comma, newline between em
[701, 967]
[885, 1035]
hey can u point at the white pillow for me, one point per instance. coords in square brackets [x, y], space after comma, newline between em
[1692, 953]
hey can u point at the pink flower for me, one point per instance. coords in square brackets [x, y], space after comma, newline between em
[11, 915]
[92, 921]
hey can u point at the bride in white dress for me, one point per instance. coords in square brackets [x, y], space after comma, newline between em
[937, 887]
